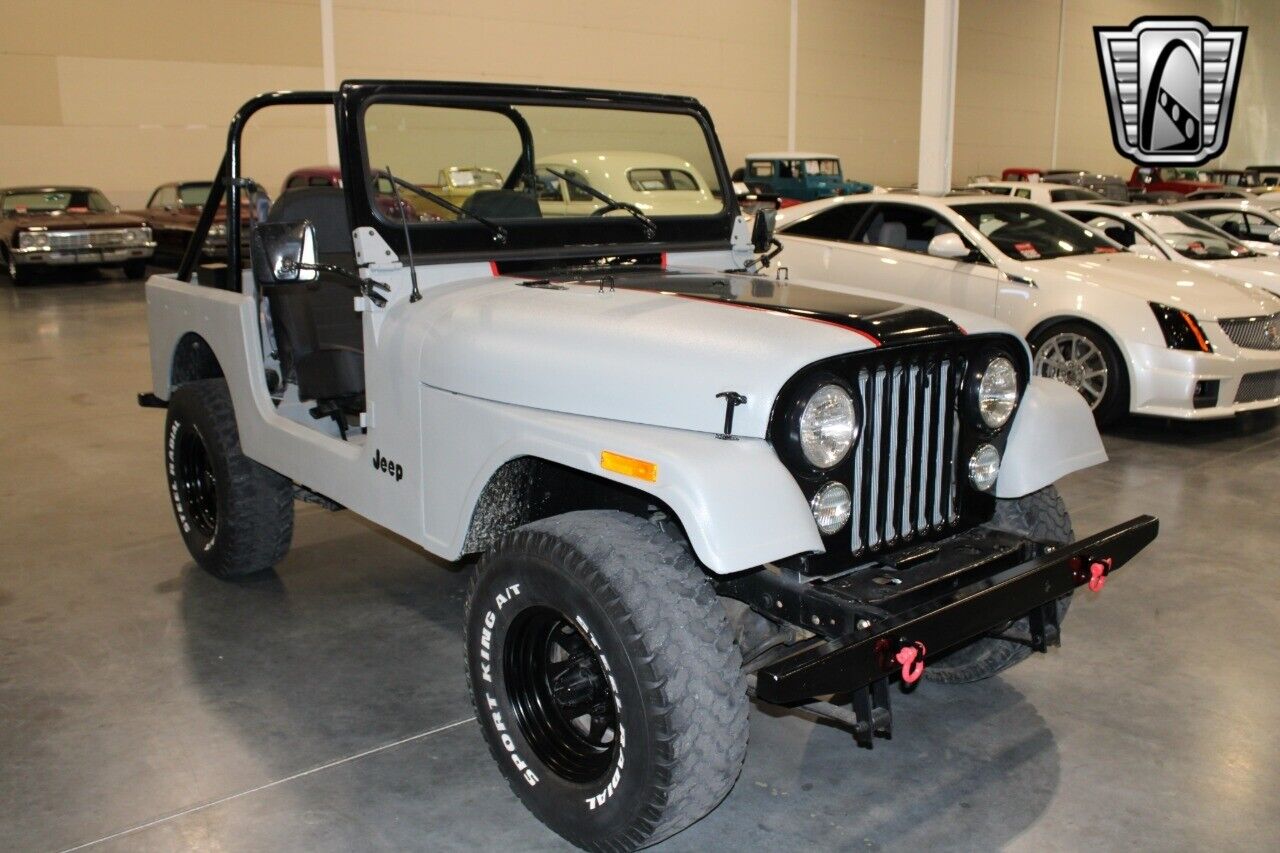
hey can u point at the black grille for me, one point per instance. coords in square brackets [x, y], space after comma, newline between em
[904, 466]
[1255, 387]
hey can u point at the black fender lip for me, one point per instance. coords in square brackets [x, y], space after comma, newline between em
[823, 667]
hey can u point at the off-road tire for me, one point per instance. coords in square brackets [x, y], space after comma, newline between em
[636, 595]
[1115, 400]
[252, 519]
[135, 269]
[1041, 516]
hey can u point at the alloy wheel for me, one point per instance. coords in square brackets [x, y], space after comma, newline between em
[1077, 361]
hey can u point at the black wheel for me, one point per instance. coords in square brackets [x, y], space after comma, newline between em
[606, 678]
[1041, 516]
[135, 269]
[1085, 359]
[235, 515]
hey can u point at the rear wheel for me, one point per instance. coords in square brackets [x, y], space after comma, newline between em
[1041, 516]
[605, 676]
[235, 515]
[1084, 358]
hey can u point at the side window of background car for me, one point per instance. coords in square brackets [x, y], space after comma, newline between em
[1231, 221]
[903, 226]
[576, 194]
[1259, 228]
[1117, 229]
[164, 197]
[761, 168]
[834, 223]
[548, 187]
[1021, 193]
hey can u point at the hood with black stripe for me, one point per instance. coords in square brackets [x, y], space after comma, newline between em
[653, 346]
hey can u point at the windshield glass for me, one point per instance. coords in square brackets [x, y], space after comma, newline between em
[194, 195]
[659, 163]
[1193, 238]
[1027, 232]
[57, 201]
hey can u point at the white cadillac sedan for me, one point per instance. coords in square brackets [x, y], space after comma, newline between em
[1164, 231]
[1131, 334]
[1249, 222]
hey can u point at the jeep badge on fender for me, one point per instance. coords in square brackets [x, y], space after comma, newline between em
[386, 466]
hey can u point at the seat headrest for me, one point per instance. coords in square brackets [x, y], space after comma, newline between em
[891, 234]
[325, 208]
[502, 204]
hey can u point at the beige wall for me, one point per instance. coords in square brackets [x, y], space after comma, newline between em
[127, 94]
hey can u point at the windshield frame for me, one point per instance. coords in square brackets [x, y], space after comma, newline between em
[459, 240]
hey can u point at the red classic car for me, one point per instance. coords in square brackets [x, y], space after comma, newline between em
[1168, 179]
[172, 213]
[64, 226]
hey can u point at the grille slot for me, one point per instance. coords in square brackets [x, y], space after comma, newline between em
[904, 480]
[1254, 332]
[1254, 387]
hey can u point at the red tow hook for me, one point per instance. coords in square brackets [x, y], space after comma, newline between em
[912, 659]
[1098, 574]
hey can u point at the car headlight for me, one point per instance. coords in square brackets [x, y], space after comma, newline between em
[218, 229]
[831, 507]
[997, 392]
[984, 467]
[827, 426]
[33, 240]
[1181, 330]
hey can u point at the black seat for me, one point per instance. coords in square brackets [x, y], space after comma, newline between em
[319, 335]
[502, 204]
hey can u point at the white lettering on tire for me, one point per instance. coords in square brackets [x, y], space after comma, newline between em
[486, 673]
[171, 444]
[595, 801]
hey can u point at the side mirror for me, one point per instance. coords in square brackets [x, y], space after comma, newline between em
[1274, 236]
[762, 230]
[284, 251]
[949, 246]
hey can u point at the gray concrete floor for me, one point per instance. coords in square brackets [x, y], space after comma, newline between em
[145, 706]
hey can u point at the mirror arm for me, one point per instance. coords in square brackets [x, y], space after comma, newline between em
[368, 287]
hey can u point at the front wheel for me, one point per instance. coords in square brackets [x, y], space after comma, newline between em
[1085, 359]
[1040, 516]
[135, 269]
[235, 515]
[606, 679]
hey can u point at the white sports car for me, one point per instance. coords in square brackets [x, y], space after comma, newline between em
[1131, 334]
[1250, 223]
[1165, 232]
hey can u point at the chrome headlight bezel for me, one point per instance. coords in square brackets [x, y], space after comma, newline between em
[832, 507]
[978, 386]
[826, 425]
[33, 239]
[998, 392]
[218, 229]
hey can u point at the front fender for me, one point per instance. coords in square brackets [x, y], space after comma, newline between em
[1053, 434]
[738, 504]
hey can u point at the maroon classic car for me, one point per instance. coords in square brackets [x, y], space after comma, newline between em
[62, 226]
[172, 213]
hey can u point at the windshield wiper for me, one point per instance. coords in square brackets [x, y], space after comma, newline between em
[499, 233]
[650, 227]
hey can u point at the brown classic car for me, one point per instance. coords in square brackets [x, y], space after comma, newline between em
[172, 213]
[62, 226]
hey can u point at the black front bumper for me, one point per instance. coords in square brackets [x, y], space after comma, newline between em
[960, 599]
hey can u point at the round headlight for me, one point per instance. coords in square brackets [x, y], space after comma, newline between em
[831, 507]
[997, 392]
[827, 426]
[984, 467]
[33, 239]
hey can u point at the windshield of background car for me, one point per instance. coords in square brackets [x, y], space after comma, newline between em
[194, 195]
[58, 201]
[1027, 232]
[634, 157]
[1192, 237]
